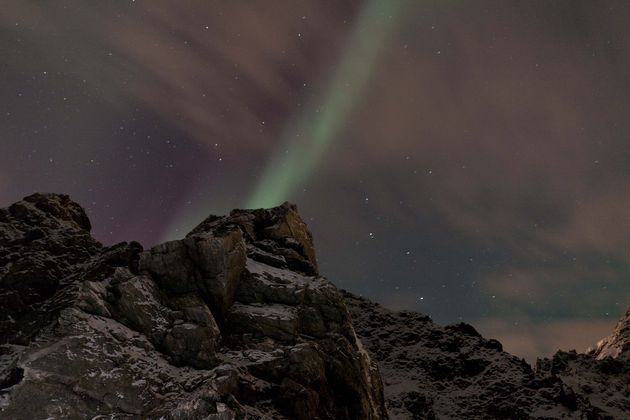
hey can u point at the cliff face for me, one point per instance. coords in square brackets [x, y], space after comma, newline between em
[234, 321]
[231, 322]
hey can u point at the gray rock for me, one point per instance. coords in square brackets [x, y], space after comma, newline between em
[278, 231]
[276, 321]
[136, 302]
[264, 283]
[202, 263]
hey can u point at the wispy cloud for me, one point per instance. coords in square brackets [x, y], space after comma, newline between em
[491, 142]
[532, 340]
[223, 72]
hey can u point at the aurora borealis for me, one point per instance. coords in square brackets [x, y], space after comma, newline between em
[469, 160]
[307, 139]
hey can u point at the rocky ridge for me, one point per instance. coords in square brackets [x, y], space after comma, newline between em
[234, 321]
[451, 372]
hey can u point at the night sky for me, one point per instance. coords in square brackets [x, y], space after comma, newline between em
[469, 160]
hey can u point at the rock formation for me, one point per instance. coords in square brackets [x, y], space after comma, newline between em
[234, 322]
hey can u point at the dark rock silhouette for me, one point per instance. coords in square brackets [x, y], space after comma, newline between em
[234, 321]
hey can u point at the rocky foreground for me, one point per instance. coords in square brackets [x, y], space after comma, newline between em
[234, 321]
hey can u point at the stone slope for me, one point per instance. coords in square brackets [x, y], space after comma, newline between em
[232, 321]
[430, 371]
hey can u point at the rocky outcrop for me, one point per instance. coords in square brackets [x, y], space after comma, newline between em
[434, 372]
[232, 321]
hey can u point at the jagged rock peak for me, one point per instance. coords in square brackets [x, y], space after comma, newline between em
[278, 230]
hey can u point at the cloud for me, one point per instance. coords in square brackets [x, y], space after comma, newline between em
[569, 286]
[228, 76]
[229, 73]
[533, 340]
[3, 186]
[494, 132]
[512, 150]
[513, 134]
[513, 131]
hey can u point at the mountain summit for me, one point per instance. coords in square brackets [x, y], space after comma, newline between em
[234, 321]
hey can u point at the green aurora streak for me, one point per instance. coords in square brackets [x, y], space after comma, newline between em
[307, 138]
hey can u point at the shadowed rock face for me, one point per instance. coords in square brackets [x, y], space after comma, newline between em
[230, 322]
[234, 321]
